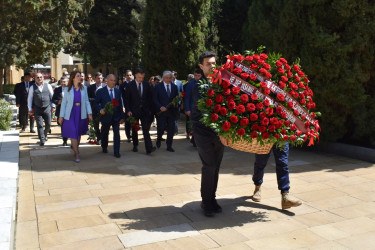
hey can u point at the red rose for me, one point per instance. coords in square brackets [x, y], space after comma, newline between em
[296, 112]
[282, 84]
[223, 111]
[271, 128]
[263, 56]
[283, 115]
[260, 62]
[262, 129]
[267, 91]
[265, 121]
[277, 136]
[303, 117]
[226, 92]
[254, 66]
[285, 137]
[244, 98]
[256, 57]
[287, 67]
[233, 119]
[230, 98]
[209, 102]
[237, 71]
[298, 133]
[284, 78]
[287, 123]
[244, 75]
[296, 68]
[250, 107]
[279, 124]
[268, 75]
[279, 110]
[226, 126]
[267, 66]
[249, 58]
[262, 115]
[241, 131]
[219, 98]
[254, 97]
[254, 134]
[253, 77]
[301, 74]
[289, 74]
[266, 103]
[231, 105]
[240, 109]
[297, 79]
[269, 111]
[210, 92]
[313, 105]
[236, 90]
[313, 115]
[279, 64]
[306, 80]
[293, 137]
[274, 120]
[290, 105]
[259, 106]
[263, 85]
[280, 97]
[244, 122]
[283, 61]
[253, 117]
[255, 126]
[301, 85]
[280, 70]
[214, 117]
[217, 108]
[293, 127]
[262, 71]
[283, 131]
[293, 86]
[226, 84]
[265, 136]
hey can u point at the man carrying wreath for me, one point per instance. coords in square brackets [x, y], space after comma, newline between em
[110, 94]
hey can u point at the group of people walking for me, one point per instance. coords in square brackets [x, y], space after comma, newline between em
[76, 104]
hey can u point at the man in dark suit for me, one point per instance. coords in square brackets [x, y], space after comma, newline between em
[103, 96]
[127, 80]
[58, 95]
[83, 80]
[91, 91]
[21, 91]
[138, 103]
[163, 95]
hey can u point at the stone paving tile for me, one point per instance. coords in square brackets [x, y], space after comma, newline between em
[331, 245]
[47, 227]
[58, 206]
[46, 199]
[78, 222]
[27, 235]
[360, 241]
[107, 243]
[318, 218]
[356, 226]
[75, 189]
[237, 246]
[68, 213]
[357, 210]
[226, 237]
[329, 232]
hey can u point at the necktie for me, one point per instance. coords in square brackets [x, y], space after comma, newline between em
[168, 91]
[139, 89]
[111, 93]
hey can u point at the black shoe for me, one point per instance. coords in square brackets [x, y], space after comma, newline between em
[32, 131]
[41, 143]
[170, 149]
[23, 130]
[162, 139]
[158, 143]
[105, 150]
[65, 144]
[129, 140]
[217, 207]
[50, 131]
[117, 155]
[135, 149]
[208, 210]
[150, 151]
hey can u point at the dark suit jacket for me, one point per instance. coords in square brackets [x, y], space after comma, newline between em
[57, 96]
[161, 99]
[139, 106]
[102, 98]
[21, 93]
[91, 92]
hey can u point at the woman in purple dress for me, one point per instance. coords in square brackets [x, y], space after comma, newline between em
[75, 112]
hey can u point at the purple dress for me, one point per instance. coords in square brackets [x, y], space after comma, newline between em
[75, 126]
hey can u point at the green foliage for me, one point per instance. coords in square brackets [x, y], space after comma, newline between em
[8, 88]
[334, 40]
[173, 37]
[6, 115]
[113, 37]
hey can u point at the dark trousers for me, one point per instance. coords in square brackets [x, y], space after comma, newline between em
[61, 127]
[43, 115]
[96, 123]
[128, 127]
[282, 169]
[211, 151]
[116, 135]
[23, 114]
[164, 122]
[146, 133]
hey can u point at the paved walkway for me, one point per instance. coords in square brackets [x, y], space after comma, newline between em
[152, 202]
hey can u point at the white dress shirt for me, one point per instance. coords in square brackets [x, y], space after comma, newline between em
[31, 94]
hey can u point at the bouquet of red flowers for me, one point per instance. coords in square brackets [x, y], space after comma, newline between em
[260, 97]
[175, 101]
[108, 109]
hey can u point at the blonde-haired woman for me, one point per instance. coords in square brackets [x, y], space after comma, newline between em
[74, 112]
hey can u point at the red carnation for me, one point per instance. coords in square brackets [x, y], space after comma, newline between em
[265, 136]
[280, 97]
[253, 117]
[262, 71]
[254, 66]
[254, 97]
[267, 91]
[279, 64]
[271, 128]
[279, 124]
[301, 74]
[296, 112]
[244, 122]
[313, 115]
[230, 98]
[283, 115]
[262, 115]
[268, 75]
[209, 102]
[298, 133]
[266, 103]
[306, 80]
[259, 106]
[280, 70]
[231, 105]
[253, 77]
[297, 79]
[236, 90]
[296, 68]
[255, 127]
[263, 85]
[301, 85]
[274, 120]
[284, 78]
[249, 58]
[269, 111]
[219, 98]
[287, 67]
[233, 119]
[262, 129]
[226, 126]
[260, 62]
[226, 92]
[277, 136]
[282, 84]
[254, 134]
[287, 123]
[265, 121]
[223, 111]
[293, 127]
[214, 117]
[256, 57]
[226, 84]
[250, 107]
[217, 108]
[237, 71]
[244, 75]
[289, 74]
[210, 92]
[267, 66]
[283, 61]
[263, 56]
[290, 105]
[241, 131]
[279, 110]
[244, 98]
[240, 109]
[303, 117]
[283, 131]
[293, 137]
[285, 137]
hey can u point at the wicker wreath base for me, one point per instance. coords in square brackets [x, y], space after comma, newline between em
[253, 147]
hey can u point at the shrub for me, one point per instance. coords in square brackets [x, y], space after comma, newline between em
[6, 115]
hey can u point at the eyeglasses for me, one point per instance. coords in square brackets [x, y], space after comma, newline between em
[39, 77]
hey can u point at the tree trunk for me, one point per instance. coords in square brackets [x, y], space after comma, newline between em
[1, 81]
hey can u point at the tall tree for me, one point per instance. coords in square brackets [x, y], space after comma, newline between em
[112, 36]
[334, 40]
[173, 35]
